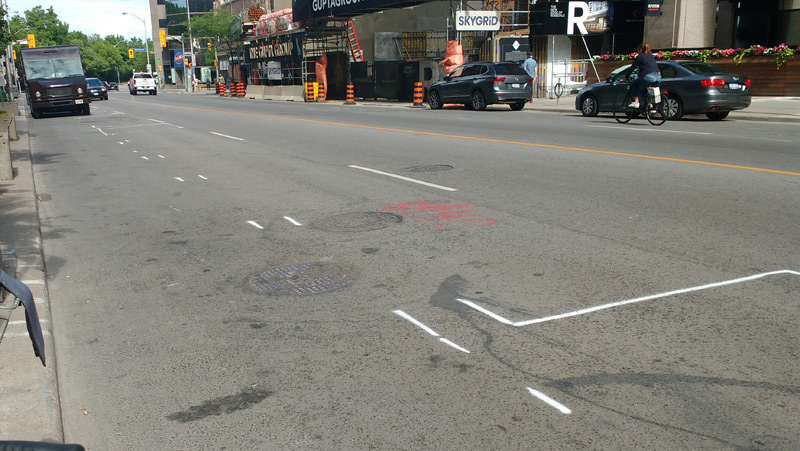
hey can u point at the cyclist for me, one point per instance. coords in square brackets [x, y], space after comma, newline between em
[648, 73]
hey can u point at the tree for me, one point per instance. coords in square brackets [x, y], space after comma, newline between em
[49, 30]
[222, 27]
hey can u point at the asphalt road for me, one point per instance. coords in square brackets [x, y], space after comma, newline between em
[231, 274]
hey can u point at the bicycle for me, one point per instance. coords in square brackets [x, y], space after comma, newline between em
[656, 112]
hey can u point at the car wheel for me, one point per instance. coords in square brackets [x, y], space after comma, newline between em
[517, 106]
[434, 101]
[477, 100]
[86, 110]
[36, 114]
[675, 108]
[717, 115]
[589, 107]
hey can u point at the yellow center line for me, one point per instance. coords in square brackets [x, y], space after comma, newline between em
[474, 138]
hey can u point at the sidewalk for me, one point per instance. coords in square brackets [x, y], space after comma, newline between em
[30, 408]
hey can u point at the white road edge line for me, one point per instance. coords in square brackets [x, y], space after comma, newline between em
[255, 224]
[625, 302]
[227, 136]
[649, 129]
[561, 407]
[408, 179]
[292, 221]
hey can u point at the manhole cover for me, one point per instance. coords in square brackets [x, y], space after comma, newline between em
[429, 168]
[301, 279]
[357, 222]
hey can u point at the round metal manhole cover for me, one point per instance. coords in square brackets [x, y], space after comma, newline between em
[302, 279]
[429, 168]
[357, 222]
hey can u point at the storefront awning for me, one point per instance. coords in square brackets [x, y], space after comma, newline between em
[303, 10]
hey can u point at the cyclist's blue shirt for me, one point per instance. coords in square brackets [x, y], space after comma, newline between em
[646, 64]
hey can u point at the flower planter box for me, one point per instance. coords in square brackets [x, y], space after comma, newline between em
[765, 78]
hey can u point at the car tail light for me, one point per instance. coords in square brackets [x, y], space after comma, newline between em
[747, 82]
[499, 79]
[530, 80]
[708, 82]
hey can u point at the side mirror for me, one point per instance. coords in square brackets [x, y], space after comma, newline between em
[446, 77]
[609, 80]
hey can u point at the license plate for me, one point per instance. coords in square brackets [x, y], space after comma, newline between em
[734, 86]
[515, 85]
[78, 102]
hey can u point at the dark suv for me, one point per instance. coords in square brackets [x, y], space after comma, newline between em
[479, 84]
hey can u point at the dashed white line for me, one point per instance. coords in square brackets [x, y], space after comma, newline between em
[408, 179]
[227, 136]
[202, 177]
[292, 221]
[427, 329]
[255, 224]
[179, 179]
[561, 407]
[145, 158]
[161, 156]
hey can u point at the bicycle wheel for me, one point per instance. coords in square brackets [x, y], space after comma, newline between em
[622, 112]
[558, 90]
[658, 112]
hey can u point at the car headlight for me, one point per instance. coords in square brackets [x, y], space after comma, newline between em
[80, 90]
[37, 94]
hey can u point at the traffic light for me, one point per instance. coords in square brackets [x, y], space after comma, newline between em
[31, 40]
[130, 53]
[209, 45]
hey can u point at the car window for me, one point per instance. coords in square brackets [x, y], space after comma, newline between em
[509, 69]
[667, 71]
[472, 70]
[702, 68]
[142, 76]
[93, 82]
[620, 73]
[457, 72]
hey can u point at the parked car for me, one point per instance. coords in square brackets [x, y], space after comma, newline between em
[113, 86]
[96, 89]
[479, 84]
[693, 87]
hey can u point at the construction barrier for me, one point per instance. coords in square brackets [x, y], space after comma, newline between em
[350, 96]
[239, 89]
[418, 95]
[321, 92]
[220, 89]
[310, 92]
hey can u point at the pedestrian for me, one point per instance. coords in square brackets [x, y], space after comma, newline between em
[648, 73]
[530, 67]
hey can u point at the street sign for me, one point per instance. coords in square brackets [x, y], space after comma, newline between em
[653, 8]
[139, 50]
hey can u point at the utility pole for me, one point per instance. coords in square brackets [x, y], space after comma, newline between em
[191, 49]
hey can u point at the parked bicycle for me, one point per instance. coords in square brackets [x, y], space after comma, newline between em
[654, 105]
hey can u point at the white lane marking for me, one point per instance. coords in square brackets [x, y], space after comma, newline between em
[179, 179]
[412, 320]
[227, 136]
[450, 343]
[161, 156]
[173, 208]
[135, 151]
[408, 179]
[625, 302]
[45, 333]
[157, 120]
[292, 221]
[25, 322]
[202, 177]
[651, 129]
[121, 143]
[561, 407]
[255, 224]
[145, 158]
[485, 312]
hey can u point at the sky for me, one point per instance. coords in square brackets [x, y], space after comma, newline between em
[103, 17]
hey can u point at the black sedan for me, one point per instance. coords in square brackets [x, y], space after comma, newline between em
[112, 86]
[693, 87]
[96, 89]
[481, 83]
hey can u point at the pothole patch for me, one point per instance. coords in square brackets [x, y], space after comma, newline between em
[302, 279]
[429, 168]
[357, 222]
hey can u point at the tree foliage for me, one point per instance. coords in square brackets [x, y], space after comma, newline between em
[102, 57]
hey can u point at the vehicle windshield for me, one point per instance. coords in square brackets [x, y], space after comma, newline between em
[702, 68]
[509, 69]
[94, 82]
[143, 76]
[53, 68]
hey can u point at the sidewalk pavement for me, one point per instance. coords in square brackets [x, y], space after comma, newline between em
[29, 402]
[30, 407]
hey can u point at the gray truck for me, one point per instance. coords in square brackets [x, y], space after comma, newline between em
[54, 80]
